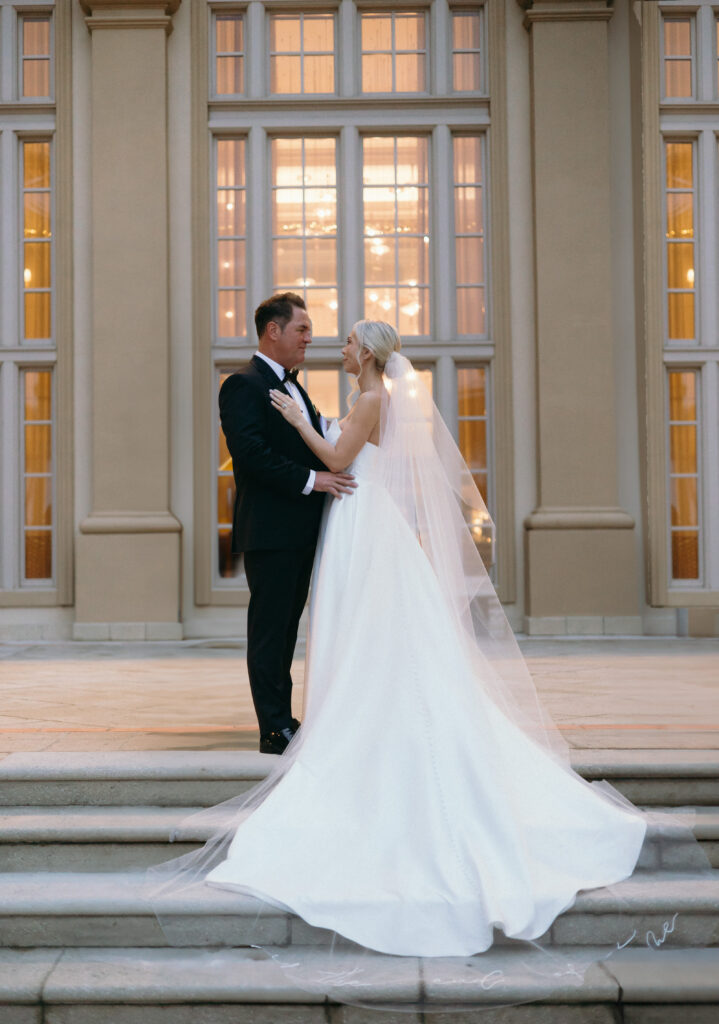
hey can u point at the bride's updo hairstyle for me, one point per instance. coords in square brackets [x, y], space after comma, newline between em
[379, 338]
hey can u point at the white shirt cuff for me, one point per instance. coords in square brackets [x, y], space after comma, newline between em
[309, 486]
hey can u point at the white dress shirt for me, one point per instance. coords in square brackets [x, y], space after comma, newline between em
[296, 394]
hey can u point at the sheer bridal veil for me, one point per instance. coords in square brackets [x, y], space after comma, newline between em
[423, 472]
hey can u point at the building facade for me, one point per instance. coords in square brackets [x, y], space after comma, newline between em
[528, 190]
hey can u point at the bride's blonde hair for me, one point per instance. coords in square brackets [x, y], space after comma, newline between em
[381, 340]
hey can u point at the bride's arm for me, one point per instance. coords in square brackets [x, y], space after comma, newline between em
[357, 430]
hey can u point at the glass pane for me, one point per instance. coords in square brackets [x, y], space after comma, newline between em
[376, 72]
[427, 378]
[287, 261]
[36, 164]
[38, 448]
[320, 211]
[413, 311]
[231, 264]
[680, 265]
[380, 258]
[229, 76]
[470, 260]
[465, 30]
[225, 459]
[37, 214]
[225, 498]
[287, 211]
[413, 261]
[319, 74]
[677, 37]
[323, 388]
[679, 165]
[38, 501]
[285, 74]
[378, 161]
[680, 215]
[471, 311]
[320, 167]
[409, 31]
[411, 160]
[38, 395]
[684, 501]
[38, 318]
[677, 78]
[322, 305]
[229, 565]
[409, 72]
[36, 37]
[285, 33]
[287, 161]
[380, 304]
[681, 316]
[231, 314]
[683, 449]
[36, 272]
[230, 163]
[321, 261]
[467, 159]
[231, 212]
[319, 33]
[379, 210]
[468, 211]
[376, 32]
[685, 555]
[38, 555]
[682, 396]
[228, 33]
[466, 72]
[473, 442]
[471, 391]
[36, 78]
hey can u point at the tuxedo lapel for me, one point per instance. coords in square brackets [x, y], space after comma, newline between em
[268, 374]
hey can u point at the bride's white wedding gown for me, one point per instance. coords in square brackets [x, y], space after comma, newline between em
[415, 817]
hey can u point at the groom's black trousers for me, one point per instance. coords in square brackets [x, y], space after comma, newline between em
[279, 582]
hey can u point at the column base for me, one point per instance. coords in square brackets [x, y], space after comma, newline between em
[581, 572]
[127, 578]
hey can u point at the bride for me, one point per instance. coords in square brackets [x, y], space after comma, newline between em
[426, 804]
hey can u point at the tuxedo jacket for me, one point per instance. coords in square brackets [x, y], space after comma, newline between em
[271, 464]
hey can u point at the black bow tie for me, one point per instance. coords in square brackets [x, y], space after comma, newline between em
[290, 375]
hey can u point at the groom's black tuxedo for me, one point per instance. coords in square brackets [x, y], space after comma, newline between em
[275, 526]
[271, 464]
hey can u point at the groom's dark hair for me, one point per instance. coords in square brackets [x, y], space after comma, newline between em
[278, 308]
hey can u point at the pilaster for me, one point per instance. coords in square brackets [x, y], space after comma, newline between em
[580, 546]
[128, 551]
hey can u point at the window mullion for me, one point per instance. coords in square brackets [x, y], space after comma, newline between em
[440, 81]
[349, 207]
[442, 242]
[8, 23]
[255, 42]
[705, 34]
[11, 476]
[347, 44]
[259, 266]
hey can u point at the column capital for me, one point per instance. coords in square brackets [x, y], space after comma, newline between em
[129, 13]
[566, 10]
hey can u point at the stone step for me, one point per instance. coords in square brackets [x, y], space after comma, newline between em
[97, 909]
[104, 839]
[671, 778]
[192, 986]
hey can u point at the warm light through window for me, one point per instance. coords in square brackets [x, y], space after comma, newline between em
[466, 50]
[394, 51]
[35, 57]
[469, 234]
[302, 53]
[680, 247]
[229, 54]
[37, 474]
[684, 474]
[37, 240]
[230, 241]
[678, 57]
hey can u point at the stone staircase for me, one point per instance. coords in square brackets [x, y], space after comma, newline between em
[80, 945]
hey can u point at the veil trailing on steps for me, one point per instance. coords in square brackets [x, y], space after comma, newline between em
[420, 469]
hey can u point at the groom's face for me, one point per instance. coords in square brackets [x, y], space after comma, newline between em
[290, 341]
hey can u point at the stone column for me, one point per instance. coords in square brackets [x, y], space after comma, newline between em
[128, 549]
[581, 557]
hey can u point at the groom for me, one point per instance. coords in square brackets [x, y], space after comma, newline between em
[280, 492]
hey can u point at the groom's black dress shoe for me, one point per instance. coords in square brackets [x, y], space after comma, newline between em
[276, 742]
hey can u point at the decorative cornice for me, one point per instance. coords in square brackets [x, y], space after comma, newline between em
[566, 10]
[108, 14]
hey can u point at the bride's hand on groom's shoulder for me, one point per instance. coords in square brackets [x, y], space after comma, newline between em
[287, 407]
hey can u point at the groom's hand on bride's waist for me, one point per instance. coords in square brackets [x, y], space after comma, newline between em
[335, 484]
